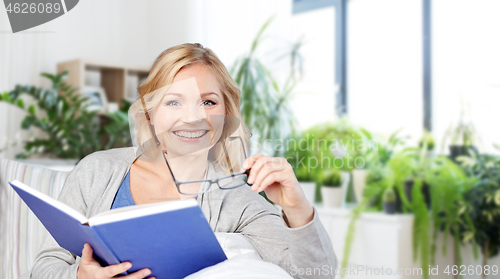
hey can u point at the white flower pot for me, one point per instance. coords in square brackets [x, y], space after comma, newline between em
[332, 196]
[309, 189]
[358, 181]
[346, 178]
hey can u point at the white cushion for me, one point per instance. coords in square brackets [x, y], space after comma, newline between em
[243, 262]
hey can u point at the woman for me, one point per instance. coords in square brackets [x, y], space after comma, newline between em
[294, 239]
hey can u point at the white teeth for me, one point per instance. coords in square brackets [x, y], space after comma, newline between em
[190, 134]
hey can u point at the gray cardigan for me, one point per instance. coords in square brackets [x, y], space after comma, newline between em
[91, 187]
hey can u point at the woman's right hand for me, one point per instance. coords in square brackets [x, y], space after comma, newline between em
[89, 268]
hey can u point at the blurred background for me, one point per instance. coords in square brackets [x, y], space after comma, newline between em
[386, 109]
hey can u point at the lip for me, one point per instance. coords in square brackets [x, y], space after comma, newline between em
[191, 130]
[192, 140]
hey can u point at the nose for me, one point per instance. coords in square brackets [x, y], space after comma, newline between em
[193, 114]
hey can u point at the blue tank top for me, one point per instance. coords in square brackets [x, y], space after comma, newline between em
[123, 197]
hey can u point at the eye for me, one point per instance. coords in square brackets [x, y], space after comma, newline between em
[209, 103]
[172, 103]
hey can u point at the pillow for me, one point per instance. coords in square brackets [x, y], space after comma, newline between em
[243, 261]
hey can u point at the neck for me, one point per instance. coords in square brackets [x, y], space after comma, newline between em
[190, 167]
[184, 168]
[193, 170]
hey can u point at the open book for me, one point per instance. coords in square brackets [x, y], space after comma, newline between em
[171, 238]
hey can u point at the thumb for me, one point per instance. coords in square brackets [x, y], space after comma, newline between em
[86, 253]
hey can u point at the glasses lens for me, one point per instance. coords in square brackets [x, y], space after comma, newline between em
[193, 188]
[233, 181]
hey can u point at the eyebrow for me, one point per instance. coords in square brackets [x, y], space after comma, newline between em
[209, 93]
[202, 94]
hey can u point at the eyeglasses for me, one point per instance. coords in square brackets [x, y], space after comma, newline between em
[231, 181]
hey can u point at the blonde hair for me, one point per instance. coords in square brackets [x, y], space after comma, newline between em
[162, 73]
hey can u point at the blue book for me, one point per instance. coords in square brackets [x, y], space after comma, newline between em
[171, 238]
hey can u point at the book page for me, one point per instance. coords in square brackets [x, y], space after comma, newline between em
[134, 211]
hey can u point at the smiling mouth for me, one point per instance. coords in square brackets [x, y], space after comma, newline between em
[190, 135]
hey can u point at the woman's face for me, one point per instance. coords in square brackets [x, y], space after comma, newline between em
[190, 117]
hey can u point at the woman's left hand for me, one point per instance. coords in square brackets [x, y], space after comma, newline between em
[276, 178]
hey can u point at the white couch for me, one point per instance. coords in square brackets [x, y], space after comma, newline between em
[20, 230]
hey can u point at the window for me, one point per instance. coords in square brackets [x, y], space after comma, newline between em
[314, 101]
[466, 63]
[384, 48]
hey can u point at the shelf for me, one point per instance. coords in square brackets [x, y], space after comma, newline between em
[118, 81]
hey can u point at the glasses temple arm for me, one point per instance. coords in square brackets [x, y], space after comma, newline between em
[168, 165]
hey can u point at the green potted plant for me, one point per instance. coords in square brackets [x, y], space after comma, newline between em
[320, 141]
[433, 190]
[70, 131]
[360, 173]
[389, 201]
[409, 167]
[482, 203]
[337, 144]
[265, 106]
[462, 140]
[392, 174]
[376, 155]
[427, 141]
[448, 183]
[331, 188]
[461, 137]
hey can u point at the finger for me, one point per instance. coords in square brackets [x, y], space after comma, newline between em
[255, 168]
[115, 269]
[138, 274]
[87, 253]
[258, 165]
[269, 167]
[248, 163]
[269, 180]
